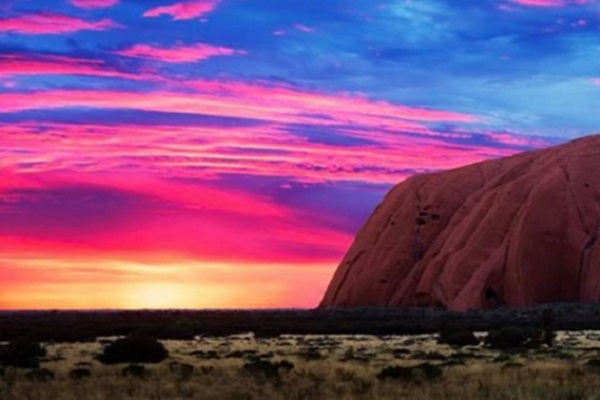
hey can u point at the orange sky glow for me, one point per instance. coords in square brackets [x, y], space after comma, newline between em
[49, 283]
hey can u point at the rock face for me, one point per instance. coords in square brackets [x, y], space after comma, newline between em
[520, 230]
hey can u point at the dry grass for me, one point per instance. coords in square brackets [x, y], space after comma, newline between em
[346, 369]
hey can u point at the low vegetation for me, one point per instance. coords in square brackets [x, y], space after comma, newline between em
[514, 338]
[348, 367]
[21, 353]
[457, 337]
[67, 326]
[417, 373]
[528, 359]
[133, 349]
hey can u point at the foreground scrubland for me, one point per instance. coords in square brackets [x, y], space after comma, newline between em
[317, 367]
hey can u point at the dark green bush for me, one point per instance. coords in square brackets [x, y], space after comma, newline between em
[267, 370]
[417, 373]
[206, 355]
[21, 354]
[135, 371]
[405, 374]
[181, 329]
[133, 349]
[546, 324]
[431, 356]
[262, 369]
[513, 338]
[512, 364]
[454, 337]
[79, 373]
[430, 371]
[40, 375]
[181, 371]
[311, 354]
[594, 363]
[400, 353]
[285, 365]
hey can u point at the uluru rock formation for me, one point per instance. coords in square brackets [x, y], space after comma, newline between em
[519, 231]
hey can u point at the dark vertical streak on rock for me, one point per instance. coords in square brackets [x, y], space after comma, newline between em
[417, 243]
[584, 261]
[577, 208]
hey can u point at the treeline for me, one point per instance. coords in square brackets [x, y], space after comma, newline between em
[77, 326]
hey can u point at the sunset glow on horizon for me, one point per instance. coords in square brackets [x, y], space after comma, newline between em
[223, 153]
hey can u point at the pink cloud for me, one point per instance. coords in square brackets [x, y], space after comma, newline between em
[539, 3]
[205, 153]
[303, 28]
[173, 217]
[595, 81]
[397, 140]
[242, 100]
[273, 151]
[549, 3]
[94, 4]
[177, 54]
[51, 23]
[15, 65]
[184, 10]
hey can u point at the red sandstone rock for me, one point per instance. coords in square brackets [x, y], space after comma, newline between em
[520, 230]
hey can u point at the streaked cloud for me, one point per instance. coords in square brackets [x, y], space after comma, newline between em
[238, 99]
[540, 3]
[94, 4]
[551, 3]
[40, 64]
[51, 23]
[184, 10]
[178, 53]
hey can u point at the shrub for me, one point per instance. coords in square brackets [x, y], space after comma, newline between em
[207, 369]
[431, 356]
[594, 363]
[311, 354]
[501, 358]
[262, 369]
[405, 374]
[400, 353]
[285, 365]
[267, 370]
[417, 373]
[181, 371]
[430, 371]
[21, 354]
[206, 355]
[512, 364]
[512, 338]
[79, 373]
[133, 349]
[182, 329]
[457, 338]
[40, 375]
[135, 371]
[546, 324]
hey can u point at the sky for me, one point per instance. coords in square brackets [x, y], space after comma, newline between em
[223, 153]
